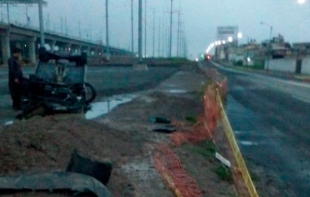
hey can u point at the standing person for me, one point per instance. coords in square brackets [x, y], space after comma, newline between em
[15, 78]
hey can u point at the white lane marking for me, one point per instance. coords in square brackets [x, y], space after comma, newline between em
[301, 99]
[301, 84]
[248, 143]
[9, 123]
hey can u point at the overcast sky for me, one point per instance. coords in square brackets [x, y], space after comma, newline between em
[200, 19]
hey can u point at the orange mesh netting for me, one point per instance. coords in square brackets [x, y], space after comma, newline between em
[169, 166]
[209, 120]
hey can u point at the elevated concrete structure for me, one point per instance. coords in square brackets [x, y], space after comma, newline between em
[28, 38]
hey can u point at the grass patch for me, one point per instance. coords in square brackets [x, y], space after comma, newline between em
[191, 119]
[207, 150]
[224, 173]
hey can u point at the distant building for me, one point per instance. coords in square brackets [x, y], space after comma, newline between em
[302, 48]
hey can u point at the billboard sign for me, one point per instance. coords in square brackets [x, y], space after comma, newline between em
[224, 32]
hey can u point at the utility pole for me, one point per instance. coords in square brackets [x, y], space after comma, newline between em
[47, 22]
[132, 42]
[178, 39]
[170, 41]
[79, 28]
[42, 41]
[8, 11]
[107, 27]
[154, 33]
[140, 32]
[159, 38]
[66, 27]
[61, 23]
[145, 31]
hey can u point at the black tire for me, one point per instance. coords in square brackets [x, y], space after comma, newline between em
[93, 95]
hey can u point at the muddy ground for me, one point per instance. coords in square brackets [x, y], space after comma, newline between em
[124, 136]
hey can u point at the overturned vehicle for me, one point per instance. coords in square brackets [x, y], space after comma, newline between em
[58, 85]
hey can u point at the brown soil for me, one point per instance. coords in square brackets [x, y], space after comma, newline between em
[124, 136]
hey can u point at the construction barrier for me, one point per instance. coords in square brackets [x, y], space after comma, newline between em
[236, 151]
[207, 124]
[169, 166]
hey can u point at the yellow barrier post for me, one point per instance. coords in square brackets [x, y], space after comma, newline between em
[235, 148]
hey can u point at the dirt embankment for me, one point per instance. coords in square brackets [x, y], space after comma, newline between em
[125, 137]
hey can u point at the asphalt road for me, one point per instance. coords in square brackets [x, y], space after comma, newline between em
[111, 80]
[271, 120]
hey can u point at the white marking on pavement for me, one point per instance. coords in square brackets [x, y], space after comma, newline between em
[177, 91]
[248, 143]
[301, 99]
[258, 75]
[9, 123]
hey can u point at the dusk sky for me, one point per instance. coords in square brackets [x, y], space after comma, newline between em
[200, 19]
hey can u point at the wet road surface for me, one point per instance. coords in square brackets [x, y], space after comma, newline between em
[271, 120]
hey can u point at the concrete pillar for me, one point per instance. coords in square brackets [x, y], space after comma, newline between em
[6, 50]
[32, 49]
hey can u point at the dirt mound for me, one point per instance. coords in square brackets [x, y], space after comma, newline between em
[45, 144]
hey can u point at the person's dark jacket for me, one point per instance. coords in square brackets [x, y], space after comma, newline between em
[15, 70]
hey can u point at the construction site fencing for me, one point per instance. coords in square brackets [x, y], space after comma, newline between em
[169, 165]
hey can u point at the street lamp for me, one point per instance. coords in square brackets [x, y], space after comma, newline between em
[301, 1]
[269, 48]
[240, 35]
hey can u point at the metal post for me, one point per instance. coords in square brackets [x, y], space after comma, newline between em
[61, 25]
[153, 33]
[107, 27]
[178, 39]
[80, 29]
[170, 44]
[42, 41]
[159, 38]
[269, 48]
[145, 28]
[132, 36]
[8, 10]
[140, 32]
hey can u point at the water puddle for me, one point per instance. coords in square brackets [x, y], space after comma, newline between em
[104, 107]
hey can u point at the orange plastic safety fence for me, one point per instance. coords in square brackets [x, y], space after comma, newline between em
[209, 120]
[169, 166]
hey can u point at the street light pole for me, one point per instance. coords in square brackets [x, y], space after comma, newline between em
[170, 44]
[42, 41]
[107, 27]
[269, 48]
[132, 43]
[140, 32]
